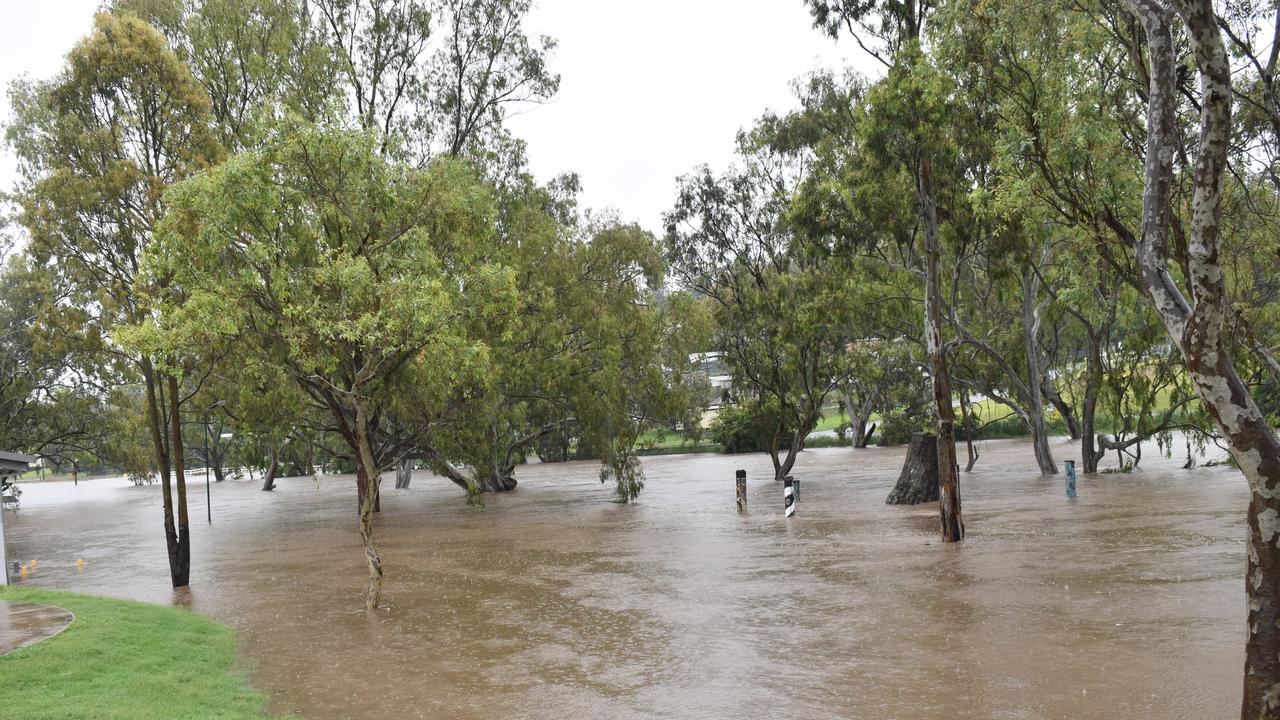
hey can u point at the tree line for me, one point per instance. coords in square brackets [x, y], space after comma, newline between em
[1068, 208]
[309, 220]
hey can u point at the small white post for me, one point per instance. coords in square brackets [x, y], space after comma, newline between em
[788, 495]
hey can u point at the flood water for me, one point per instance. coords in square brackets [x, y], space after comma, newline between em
[554, 602]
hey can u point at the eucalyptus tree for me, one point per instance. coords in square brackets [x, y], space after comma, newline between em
[360, 278]
[1195, 318]
[99, 144]
[435, 78]
[910, 102]
[782, 312]
[256, 60]
[597, 355]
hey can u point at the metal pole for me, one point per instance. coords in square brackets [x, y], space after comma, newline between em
[208, 506]
[1071, 478]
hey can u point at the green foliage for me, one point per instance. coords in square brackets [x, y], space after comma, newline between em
[744, 428]
[328, 264]
[896, 429]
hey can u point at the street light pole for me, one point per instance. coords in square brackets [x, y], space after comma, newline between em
[208, 502]
[208, 506]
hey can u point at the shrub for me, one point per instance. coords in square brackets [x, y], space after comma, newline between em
[896, 429]
[741, 429]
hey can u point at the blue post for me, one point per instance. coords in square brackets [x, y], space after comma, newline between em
[1071, 478]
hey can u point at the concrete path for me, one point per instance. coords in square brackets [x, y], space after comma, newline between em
[23, 624]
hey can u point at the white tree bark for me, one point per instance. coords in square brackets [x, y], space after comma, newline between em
[1196, 325]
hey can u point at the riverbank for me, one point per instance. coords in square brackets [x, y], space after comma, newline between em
[128, 661]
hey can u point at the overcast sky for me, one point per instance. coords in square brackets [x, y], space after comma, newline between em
[648, 89]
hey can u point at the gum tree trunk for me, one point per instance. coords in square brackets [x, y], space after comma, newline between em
[1035, 373]
[968, 430]
[1196, 326]
[369, 496]
[1068, 413]
[860, 416]
[269, 483]
[181, 565]
[404, 473]
[940, 376]
[1090, 453]
[362, 488]
[155, 423]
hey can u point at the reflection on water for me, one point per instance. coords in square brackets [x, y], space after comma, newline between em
[555, 602]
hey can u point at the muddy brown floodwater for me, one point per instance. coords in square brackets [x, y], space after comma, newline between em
[554, 602]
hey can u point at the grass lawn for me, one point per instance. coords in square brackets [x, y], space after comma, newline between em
[125, 660]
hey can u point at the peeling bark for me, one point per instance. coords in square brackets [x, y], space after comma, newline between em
[1196, 327]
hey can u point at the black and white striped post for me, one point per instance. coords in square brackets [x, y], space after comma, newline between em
[741, 483]
[789, 495]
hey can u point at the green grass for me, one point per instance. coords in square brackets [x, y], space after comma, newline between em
[125, 660]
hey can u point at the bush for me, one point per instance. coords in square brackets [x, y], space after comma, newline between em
[741, 429]
[896, 429]
[825, 441]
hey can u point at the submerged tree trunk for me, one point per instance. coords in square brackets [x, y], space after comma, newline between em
[918, 481]
[1035, 373]
[860, 416]
[782, 466]
[181, 569]
[944, 415]
[501, 482]
[368, 470]
[1090, 453]
[1196, 328]
[1067, 412]
[155, 424]
[968, 430]
[269, 483]
[404, 473]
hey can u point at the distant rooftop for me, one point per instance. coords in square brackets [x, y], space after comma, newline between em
[14, 463]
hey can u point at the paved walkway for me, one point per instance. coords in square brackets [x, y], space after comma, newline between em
[23, 624]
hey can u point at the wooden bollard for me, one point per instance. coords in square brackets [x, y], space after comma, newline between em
[1070, 468]
[741, 482]
[789, 495]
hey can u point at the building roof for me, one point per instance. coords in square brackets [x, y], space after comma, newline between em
[13, 463]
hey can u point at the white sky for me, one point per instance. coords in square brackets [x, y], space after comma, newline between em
[648, 90]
